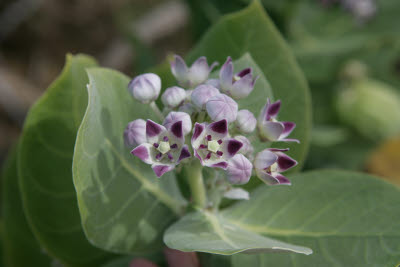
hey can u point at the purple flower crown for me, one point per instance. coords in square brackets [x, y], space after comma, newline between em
[220, 134]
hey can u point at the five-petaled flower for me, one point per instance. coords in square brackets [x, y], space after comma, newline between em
[237, 85]
[193, 76]
[269, 164]
[211, 144]
[164, 148]
[269, 128]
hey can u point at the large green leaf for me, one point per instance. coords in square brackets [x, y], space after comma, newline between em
[123, 205]
[45, 167]
[212, 233]
[17, 238]
[346, 218]
[250, 30]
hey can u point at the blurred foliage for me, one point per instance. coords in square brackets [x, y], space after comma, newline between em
[384, 160]
[324, 37]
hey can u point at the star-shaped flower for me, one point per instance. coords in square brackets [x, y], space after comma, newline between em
[211, 144]
[269, 128]
[164, 148]
[269, 164]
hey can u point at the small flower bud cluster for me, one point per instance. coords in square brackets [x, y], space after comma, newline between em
[220, 131]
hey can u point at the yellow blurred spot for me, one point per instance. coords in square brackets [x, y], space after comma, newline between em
[385, 161]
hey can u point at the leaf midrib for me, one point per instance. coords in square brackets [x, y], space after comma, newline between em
[164, 198]
[296, 233]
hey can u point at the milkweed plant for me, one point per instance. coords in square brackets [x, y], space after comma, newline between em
[204, 127]
[203, 157]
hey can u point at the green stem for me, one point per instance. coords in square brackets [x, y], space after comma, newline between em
[156, 110]
[196, 183]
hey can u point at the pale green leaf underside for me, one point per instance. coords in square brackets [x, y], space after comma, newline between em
[209, 232]
[44, 167]
[124, 207]
[251, 31]
[347, 219]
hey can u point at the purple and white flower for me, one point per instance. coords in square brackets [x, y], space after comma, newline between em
[211, 144]
[269, 164]
[239, 169]
[164, 148]
[237, 85]
[269, 128]
[245, 121]
[173, 96]
[145, 88]
[193, 76]
[221, 107]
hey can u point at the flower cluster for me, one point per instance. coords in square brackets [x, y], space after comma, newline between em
[220, 132]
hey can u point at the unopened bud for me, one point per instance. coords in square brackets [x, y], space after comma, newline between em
[201, 94]
[221, 107]
[173, 96]
[135, 133]
[245, 121]
[145, 88]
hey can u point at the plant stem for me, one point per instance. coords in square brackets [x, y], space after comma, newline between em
[156, 110]
[196, 183]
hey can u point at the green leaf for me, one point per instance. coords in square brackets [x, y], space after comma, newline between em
[212, 233]
[17, 237]
[123, 205]
[45, 167]
[346, 218]
[250, 30]
[321, 51]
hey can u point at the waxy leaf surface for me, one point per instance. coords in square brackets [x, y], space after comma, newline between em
[123, 205]
[346, 218]
[45, 167]
[212, 233]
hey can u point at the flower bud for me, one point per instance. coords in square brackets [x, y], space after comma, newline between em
[245, 121]
[372, 107]
[173, 96]
[173, 117]
[145, 88]
[247, 149]
[239, 169]
[201, 94]
[135, 133]
[221, 107]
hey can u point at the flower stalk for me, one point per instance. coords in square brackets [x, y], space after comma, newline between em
[194, 174]
[156, 110]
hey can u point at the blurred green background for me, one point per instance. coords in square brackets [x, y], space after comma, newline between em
[349, 51]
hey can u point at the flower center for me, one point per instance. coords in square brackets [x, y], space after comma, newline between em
[164, 147]
[273, 167]
[213, 146]
[235, 78]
